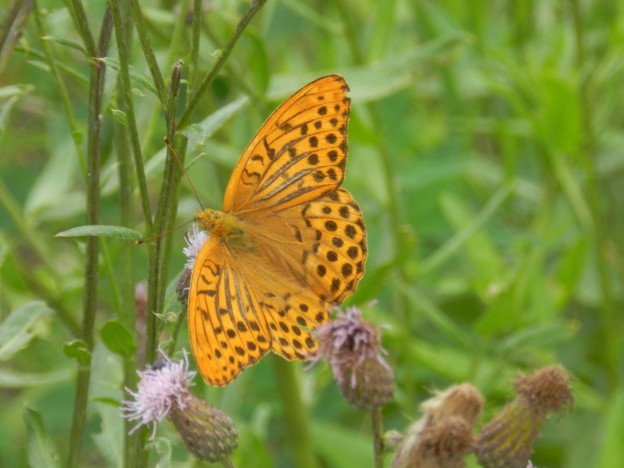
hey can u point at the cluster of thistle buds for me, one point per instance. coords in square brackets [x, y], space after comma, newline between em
[444, 436]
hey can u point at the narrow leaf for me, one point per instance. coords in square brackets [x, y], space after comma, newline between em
[41, 452]
[114, 232]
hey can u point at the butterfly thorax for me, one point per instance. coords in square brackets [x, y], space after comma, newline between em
[227, 228]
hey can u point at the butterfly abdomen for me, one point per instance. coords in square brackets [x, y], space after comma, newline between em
[226, 228]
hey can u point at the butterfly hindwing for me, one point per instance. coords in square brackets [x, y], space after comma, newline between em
[322, 243]
[237, 313]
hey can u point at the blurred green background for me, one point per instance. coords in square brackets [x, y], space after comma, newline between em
[485, 150]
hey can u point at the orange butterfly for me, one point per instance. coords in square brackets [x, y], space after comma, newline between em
[288, 244]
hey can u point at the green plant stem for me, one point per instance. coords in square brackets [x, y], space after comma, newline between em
[451, 247]
[96, 92]
[49, 293]
[175, 332]
[123, 50]
[195, 37]
[79, 17]
[148, 140]
[294, 412]
[377, 436]
[165, 214]
[225, 53]
[611, 332]
[148, 53]
[127, 312]
[75, 131]
[12, 207]
[11, 27]
[384, 151]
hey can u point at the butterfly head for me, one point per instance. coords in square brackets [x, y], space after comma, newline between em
[227, 228]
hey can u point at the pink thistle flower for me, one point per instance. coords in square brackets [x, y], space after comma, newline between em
[160, 388]
[163, 392]
[352, 347]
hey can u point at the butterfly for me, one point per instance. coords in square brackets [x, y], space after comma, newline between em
[288, 244]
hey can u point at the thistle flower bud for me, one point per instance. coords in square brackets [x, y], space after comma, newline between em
[443, 436]
[182, 287]
[353, 349]
[507, 440]
[207, 432]
[368, 386]
[195, 239]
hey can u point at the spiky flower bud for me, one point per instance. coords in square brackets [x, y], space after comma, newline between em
[507, 440]
[195, 239]
[369, 385]
[163, 392]
[353, 349]
[182, 287]
[207, 432]
[443, 436]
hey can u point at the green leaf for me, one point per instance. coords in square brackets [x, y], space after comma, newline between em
[99, 230]
[611, 452]
[54, 185]
[67, 43]
[120, 116]
[118, 339]
[77, 349]
[334, 442]
[15, 379]
[20, 327]
[41, 452]
[106, 388]
[17, 90]
[142, 80]
[199, 133]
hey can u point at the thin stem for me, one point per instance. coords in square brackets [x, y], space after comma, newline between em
[10, 30]
[610, 328]
[176, 39]
[127, 313]
[225, 53]
[79, 16]
[126, 93]
[195, 36]
[385, 158]
[75, 131]
[165, 213]
[377, 436]
[96, 93]
[148, 53]
[351, 30]
[176, 332]
[294, 412]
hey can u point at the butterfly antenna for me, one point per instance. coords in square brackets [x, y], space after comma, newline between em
[183, 169]
[158, 236]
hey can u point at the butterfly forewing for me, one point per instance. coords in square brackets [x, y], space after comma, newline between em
[298, 154]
